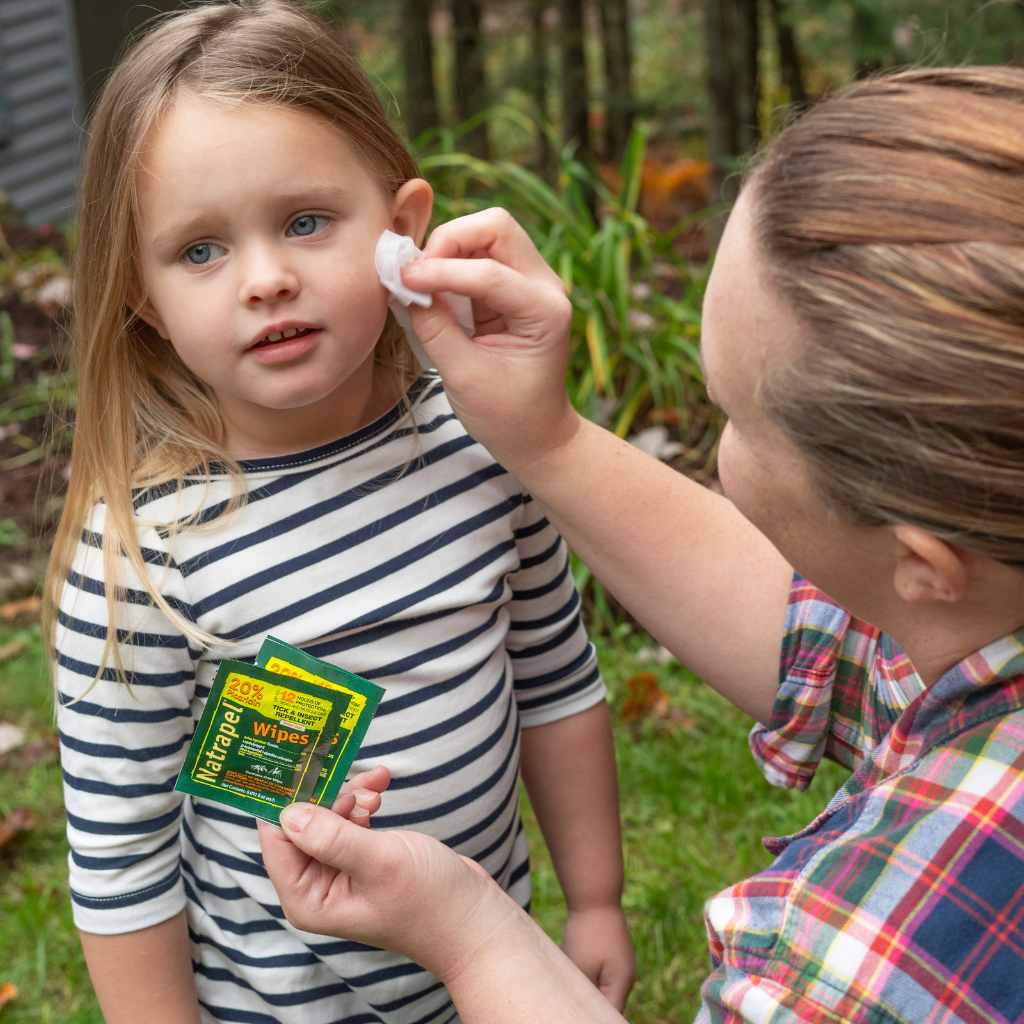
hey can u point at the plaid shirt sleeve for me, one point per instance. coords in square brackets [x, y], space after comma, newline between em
[903, 901]
[825, 706]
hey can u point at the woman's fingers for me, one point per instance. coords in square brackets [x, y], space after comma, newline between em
[494, 233]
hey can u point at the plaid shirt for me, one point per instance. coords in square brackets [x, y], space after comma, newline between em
[904, 899]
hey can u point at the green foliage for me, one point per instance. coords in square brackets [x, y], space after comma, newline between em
[636, 305]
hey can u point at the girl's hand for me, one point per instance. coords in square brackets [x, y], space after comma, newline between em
[507, 384]
[399, 890]
[598, 943]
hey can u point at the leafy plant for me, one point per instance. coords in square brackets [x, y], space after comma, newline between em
[636, 304]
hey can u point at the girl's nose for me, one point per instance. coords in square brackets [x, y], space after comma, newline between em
[268, 279]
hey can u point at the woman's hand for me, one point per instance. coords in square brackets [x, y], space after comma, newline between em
[507, 383]
[399, 890]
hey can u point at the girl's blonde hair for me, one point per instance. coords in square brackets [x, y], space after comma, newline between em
[891, 217]
[142, 416]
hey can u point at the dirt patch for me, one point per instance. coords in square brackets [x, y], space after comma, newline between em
[33, 386]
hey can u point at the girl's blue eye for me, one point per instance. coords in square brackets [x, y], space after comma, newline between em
[201, 253]
[307, 224]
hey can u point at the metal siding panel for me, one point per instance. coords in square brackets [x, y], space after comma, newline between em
[39, 169]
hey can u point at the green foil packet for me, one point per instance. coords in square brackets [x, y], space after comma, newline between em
[271, 736]
[357, 711]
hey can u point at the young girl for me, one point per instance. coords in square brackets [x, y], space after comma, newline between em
[254, 455]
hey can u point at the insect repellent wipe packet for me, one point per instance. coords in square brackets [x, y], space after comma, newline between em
[269, 736]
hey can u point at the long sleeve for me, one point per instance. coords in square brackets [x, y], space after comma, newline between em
[554, 663]
[122, 744]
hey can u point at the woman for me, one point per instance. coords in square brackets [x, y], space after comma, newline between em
[864, 333]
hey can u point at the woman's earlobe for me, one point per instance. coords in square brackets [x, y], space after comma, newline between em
[928, 569]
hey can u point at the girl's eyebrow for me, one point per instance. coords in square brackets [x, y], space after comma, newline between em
[315, 195]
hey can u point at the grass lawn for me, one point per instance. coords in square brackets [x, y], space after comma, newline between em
[693, 805]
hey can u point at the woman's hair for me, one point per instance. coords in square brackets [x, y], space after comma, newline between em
[142, 416]
[891, 218]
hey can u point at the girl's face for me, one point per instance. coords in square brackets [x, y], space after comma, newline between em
[747, 327]
[257, 228]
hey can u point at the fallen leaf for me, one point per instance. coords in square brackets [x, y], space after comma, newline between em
[12, 650]
[11, 737]
[648, 701]
[21, 819]
[26, 608]
[8, 991]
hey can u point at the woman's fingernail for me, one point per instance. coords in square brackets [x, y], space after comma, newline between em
[360, 812]
[295, 817]
[364, 795]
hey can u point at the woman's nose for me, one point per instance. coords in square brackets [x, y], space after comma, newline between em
[267, 279]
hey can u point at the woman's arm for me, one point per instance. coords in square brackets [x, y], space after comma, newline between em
[694, 572]
[144, 975]
[407, 892]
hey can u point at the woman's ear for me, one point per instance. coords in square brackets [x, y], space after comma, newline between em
[411, 209]
[928, 568]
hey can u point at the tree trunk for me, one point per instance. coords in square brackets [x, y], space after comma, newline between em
[790, 62]
[618, 76]
[539, 86]
[471, 95]
[575, 120]
[732, 46]
[418, 64]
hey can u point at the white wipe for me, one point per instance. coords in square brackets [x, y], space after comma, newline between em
[394, 252]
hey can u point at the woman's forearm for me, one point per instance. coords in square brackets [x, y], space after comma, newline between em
[523, 977]
[144, 975]
[692, 570]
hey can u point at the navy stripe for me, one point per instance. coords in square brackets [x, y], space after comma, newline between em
[371, 751]
[429, 548]
[130, 899]
[274, 998]
[398, 1004]
[123, 791]
[528, 531]
[447, 806]
[389, 627]
[306, 959]
[124, 636]
[520, 872]
[143, 826]
[233, 1016]
[109, 674]
[118, 863]
[125, 595]
[545, 556]
[561, 694]
[150, 556]
[217, 812]
[404, 666]
[522, 625]
[252, 864]
[499, 841]
[111, 750]
[548, 645]
[391, 705]
[562, 672]
[309, 514]
[121, 716]
[545, 589]
[463, 760]
[511, 797]
[229, 894]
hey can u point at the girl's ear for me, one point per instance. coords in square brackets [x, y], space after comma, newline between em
[144, 310]
[411, 209]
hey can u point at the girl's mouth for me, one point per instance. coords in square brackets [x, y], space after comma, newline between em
[285, 347]
[277, 337]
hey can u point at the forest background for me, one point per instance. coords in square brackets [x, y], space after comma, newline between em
[616, 130]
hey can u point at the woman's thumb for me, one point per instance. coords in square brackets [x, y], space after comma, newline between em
[326, 836]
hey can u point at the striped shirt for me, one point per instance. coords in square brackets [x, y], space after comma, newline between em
[903, 901]
[402, 552]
